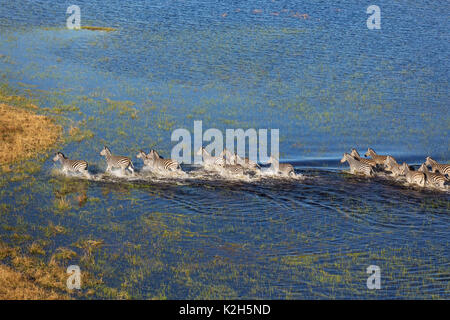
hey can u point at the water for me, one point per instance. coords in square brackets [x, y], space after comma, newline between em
[327, 82]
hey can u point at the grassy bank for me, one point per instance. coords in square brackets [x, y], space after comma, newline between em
[23, 132]
[23, 135]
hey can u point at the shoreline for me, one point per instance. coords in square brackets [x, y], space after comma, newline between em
[24, 134]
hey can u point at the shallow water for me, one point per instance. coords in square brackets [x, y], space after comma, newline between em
[327, 82]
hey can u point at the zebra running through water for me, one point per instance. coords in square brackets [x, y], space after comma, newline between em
[71, 165]
[113, 161]
[379, 159]
[209, 160]
[357, 166]
[356, 155]
[280, 168]
[438, 167]
[436, 179]
[391, 165]
[414, 177]
[154, 161]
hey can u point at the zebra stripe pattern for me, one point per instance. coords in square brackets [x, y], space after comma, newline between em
[164, 164]
[356, 155]
[438, 167]
[113, 161]
[71, 165]
[283, 168]
[210, 160]
[379, 159]
[414, 177]
[357, 166]
[435, 179]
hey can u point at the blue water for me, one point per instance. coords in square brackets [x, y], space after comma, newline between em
[326, 82]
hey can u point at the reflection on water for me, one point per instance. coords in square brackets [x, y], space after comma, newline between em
[325, 81]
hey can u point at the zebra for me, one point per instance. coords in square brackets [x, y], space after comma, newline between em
[209, 160]
[379, 159]
[246, 163]
[436, 179]
[229, 157]
[438, 167]
[357, 166]
[391, 165]
[155, 161]
[71, 165]
[282, 168]
[414, 177]
[116, 161]
[356, 155]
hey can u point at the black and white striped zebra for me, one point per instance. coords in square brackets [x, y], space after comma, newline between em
[435, 179]
[414, 177]
[228, 156]
[113, 161]
[379, 159]
[357, 166]
[438, 167]
[71, 165]
[209, 160]
[392, 165]
[356, 155]
[280, 168]
[154, 161]
[246, 163]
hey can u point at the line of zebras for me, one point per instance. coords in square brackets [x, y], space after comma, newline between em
[437, 177]
[226, 161]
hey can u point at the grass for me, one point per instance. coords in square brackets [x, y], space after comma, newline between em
[16, 286]
[92, 28]
[24, 134]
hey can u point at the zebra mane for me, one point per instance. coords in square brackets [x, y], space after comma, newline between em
[62, 154]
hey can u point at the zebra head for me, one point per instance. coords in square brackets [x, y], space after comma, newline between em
[200, 151]
[58, 156]
[345, 157]
[272, 160]
[141, 155]
[389, 162]
[105, 151]
[154, 154]
[369, 152]
[355, 153]
[404, 168]
[423, 168]
[429, 161]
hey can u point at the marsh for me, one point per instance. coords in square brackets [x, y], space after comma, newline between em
[327, 82]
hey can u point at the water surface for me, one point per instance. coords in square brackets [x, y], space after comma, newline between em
[327, 82]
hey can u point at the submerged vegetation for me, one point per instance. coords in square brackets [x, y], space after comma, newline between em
[202, 240]
[92, 28]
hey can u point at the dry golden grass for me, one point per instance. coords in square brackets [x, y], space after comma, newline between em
[32, 280]
[14, 286]
[92, 28]
[23, 134]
